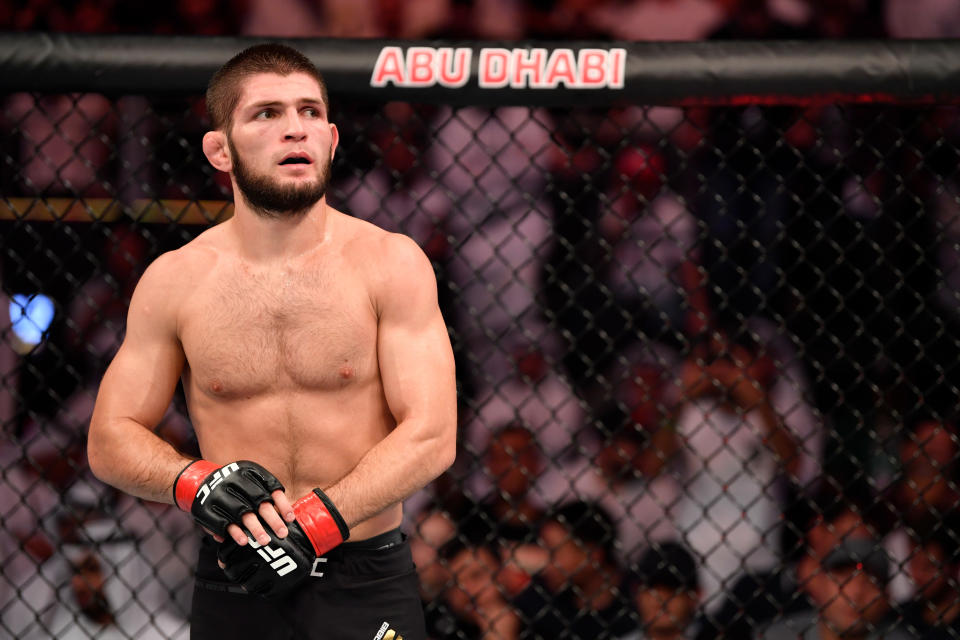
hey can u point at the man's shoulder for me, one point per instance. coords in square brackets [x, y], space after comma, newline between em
[178, 267]
[383, 254]
[371, 239]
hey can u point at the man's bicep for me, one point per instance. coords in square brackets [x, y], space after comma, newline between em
[139, 384]
[416, 359]
[142, 377]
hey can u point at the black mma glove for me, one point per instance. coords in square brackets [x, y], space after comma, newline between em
[218, 496]
[272, 570]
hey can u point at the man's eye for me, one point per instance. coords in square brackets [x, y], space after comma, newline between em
[311, 112]
[263, 115]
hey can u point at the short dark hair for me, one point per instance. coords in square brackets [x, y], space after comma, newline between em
[223, 91]
[588, 524]
[457, 545]
[668, 564]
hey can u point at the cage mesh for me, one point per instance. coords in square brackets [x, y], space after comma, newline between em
[710, 326]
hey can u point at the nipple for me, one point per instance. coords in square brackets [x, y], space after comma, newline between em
[346, 372]
[216, 386]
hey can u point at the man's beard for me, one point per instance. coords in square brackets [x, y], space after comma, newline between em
[270, 199]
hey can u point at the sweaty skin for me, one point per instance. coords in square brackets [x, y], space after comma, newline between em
[312, 344]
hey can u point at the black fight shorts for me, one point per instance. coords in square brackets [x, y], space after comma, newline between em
[366, 590]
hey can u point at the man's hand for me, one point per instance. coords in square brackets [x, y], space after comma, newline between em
[269, 570]
[221, 498]
[277, 566]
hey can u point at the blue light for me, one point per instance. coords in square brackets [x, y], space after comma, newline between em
[31, 316]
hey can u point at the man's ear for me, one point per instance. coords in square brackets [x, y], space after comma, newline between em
[217, 152]
[334, 140]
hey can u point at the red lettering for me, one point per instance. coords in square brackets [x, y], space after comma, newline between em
[454, 66]
[389, 68]
[561, 68]
[527, 67]
[616, 61]
[420, 67]
[494, 68]
[593, 68]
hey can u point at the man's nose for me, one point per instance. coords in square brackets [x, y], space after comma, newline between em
[294, 127]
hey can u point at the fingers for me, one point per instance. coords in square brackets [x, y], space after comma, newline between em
[269, 514]
[283, 505]
[253, 524]
[236, 533]
[213, 535]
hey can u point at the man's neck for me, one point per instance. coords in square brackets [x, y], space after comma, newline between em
[265, 239]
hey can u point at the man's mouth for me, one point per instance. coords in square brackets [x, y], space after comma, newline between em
[296, 159]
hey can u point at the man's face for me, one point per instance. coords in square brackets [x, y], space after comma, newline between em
[513, 461]
[851, 602]
[570, 560]
[281, 144]
[665, 611]
[475, 585]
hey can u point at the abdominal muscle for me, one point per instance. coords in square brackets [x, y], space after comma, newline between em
[307, 439]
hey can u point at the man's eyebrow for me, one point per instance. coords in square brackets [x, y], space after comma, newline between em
[278, 103]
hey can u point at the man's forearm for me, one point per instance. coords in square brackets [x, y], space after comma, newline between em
[127, 455]
[396, 467]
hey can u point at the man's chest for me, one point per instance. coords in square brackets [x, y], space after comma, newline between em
[300, 334]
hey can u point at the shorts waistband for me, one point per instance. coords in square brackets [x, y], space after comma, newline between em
[379, 542]
[348, 564]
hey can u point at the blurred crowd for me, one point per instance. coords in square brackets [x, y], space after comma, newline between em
[496, 19]
[706, 356]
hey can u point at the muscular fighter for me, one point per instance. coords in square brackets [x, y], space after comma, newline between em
[318, 375]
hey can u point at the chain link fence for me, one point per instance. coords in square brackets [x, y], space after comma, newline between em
[709, 350]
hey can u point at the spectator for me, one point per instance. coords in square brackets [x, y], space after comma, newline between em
[627, 475]
[658, 20]
[582, 593]
[512, 463]
[433, 527]
[928, 486]
[735, 445]
[536, 396]
[934, 567]
[835, 513]
[100, 583]
[926, 490]
[475, 597]
[848, 589]
[396, 193]
[922, 18]
[498, 225]
[653, 238]
[767, 19]
[667, 594]
[65, 143]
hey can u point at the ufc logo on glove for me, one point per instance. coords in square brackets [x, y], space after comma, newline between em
[278, 558]
[218, 476]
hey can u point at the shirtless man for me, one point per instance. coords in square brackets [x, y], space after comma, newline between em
[317, 369]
